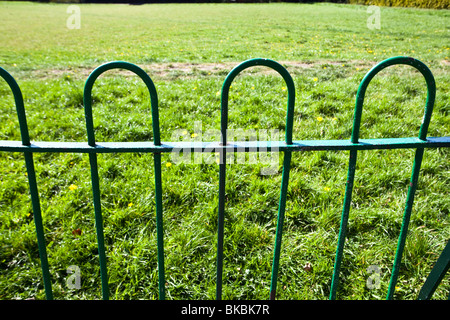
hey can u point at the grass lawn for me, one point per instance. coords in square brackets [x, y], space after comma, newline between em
[188, 50]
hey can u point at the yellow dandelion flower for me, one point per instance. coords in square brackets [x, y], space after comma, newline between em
[319, 119]
[73, 187]
[315, 79]
[283, 88]
[130, 204]
[168, 164]
[194, 135]
[326, 189]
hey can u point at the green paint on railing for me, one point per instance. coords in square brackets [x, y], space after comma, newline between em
[286, 165]
[223, 146]
[37, 216]
[431, 87]
[94, 171]
[436, 275]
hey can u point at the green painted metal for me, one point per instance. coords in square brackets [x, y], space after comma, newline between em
[286, 165]
[94, 170]
[353, 145]
[344, 223]
[214, 146]
[431, 87]
[37, 216]
[436, 275]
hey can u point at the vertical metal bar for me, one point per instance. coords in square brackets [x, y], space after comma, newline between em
[405, 223]
[344, 223]
[222, 181]
[32, 182]
[159, 225]
[280, 221]
[220, 224]
[436, 275]
[37, 217]
[99, 225]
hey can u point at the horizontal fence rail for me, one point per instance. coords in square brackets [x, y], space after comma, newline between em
[156, 147]
[240, 146]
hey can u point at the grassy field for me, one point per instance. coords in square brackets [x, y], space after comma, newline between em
[188, 50]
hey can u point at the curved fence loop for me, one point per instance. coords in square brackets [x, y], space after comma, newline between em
[431, 95]
[286, 167]
[20, 109]
[87, 97]
[251, 63]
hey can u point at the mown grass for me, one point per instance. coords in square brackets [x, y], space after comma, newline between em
[36, 36]
[324, 110]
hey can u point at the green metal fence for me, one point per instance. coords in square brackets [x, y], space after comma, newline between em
[92, 147]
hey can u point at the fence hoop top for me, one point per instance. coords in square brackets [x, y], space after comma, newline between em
[258, 62]
[431, 94]
[87, 97]
[18, 98]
